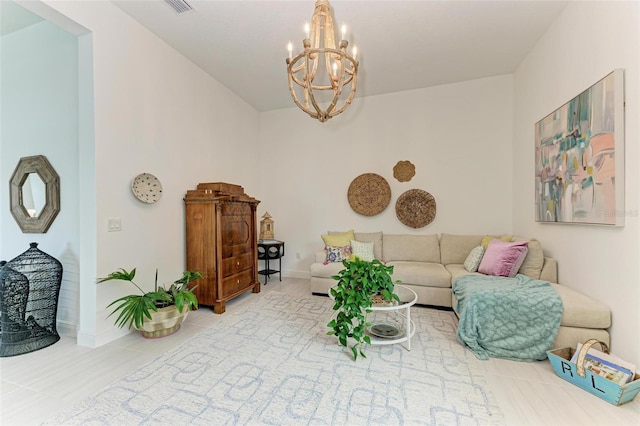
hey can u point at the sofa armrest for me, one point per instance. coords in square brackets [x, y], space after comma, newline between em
[320, 256]
[549, 270]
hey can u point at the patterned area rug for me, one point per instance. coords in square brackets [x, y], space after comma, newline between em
[273, 363]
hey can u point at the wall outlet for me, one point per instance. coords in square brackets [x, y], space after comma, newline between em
[114, 225]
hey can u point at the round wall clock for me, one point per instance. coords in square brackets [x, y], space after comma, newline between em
[147, 188]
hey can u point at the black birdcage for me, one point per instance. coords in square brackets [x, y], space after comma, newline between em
[29, 289]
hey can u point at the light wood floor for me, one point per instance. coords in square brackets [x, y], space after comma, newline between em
[35, 386]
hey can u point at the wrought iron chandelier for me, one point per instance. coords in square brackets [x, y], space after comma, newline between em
[322, 79]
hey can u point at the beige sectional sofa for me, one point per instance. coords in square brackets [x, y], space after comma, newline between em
[429, 263]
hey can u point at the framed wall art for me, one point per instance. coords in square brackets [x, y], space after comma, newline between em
[579, 157]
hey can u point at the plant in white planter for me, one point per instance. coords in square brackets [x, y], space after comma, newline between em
[155, 313]
[358, 282]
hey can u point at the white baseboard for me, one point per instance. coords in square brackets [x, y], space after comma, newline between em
[93, 340]
[86, 339]
[67, 329]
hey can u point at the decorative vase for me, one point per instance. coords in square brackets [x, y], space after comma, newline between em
[163, 322]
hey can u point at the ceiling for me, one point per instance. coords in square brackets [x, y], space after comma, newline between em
[402, 45]
[14, 17]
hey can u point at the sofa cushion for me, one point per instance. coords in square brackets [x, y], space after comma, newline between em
[320, 256]
[503, 259]
[457, 270]
[362, 250]
[416, 248]
[456, 248]
[582, 311]
[328, 270]
[338, 239]
[420, 273]
[549, 270]
[372, 237]
[472, 261]
[579, 310]
[533, 263]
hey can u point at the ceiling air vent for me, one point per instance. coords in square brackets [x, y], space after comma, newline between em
[180, 6]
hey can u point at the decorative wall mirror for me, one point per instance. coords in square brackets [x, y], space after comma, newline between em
[35, 194]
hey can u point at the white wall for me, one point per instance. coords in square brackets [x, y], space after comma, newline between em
[155, 112]
[40, 117]
[458, 136]
[586, 42]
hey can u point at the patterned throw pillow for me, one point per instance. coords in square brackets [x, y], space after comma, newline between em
[474, 259]
[337, 254]
[362, 250]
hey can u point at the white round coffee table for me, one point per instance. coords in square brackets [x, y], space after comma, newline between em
[391, 321]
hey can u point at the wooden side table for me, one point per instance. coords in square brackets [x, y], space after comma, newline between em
[269, 250]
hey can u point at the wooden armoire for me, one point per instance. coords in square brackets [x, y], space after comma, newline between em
[221, 242]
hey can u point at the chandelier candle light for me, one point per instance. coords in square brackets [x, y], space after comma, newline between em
[310, 88]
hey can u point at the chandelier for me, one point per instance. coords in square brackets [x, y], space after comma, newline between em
[322, 79]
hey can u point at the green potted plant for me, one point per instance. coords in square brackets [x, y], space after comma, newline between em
[155, 313]
[358, 282]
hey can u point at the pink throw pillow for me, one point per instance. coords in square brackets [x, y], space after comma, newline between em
[503, 259]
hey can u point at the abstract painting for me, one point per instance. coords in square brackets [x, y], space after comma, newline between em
[579, 150]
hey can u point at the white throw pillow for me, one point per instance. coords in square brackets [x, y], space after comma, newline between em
[473, 259]
[363, 250]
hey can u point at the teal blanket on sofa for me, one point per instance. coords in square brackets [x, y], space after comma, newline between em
[512, 318]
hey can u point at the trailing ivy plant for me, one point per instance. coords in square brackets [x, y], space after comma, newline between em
[357, 283]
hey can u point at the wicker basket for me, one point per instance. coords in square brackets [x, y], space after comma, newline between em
[416, 208]
[403, 171]
[379, 300]
[369, 194]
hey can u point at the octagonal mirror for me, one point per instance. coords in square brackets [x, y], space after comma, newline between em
[35, 194]
[34, 197]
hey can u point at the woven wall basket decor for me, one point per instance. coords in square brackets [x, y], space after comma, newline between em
[416, 208]
[369, 194]
[403, 171]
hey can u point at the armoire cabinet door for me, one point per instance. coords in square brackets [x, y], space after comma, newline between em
[236, 229]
